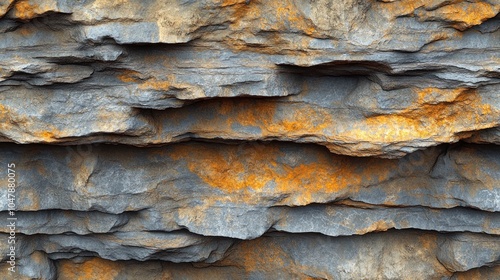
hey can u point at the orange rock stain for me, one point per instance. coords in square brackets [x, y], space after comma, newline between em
[94, 268]
[403, 7]
[466, 14]
[266, 115]
[437, 112]
[129, 76]
[24, 10]
[269, 18]
[47, 135]
[463, 14]
[261, 169]
[156, 85]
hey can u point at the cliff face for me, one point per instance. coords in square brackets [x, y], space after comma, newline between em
[257, 139]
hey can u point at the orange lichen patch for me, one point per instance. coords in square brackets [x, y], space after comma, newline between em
[261, 114]
[45, 135]
[228, 170]
[94, 268]
[156, 85]
[265, 115]
[263, 169]
[437, 113]
[48, 135]
[457, 106]
[226, 3]
[401, 8]
[129, 76]
[3, 111]
[463, 13]
[225, 113]
[389, 128]
[266, 16]
[303, 121]
[466, 14]
[25, 10]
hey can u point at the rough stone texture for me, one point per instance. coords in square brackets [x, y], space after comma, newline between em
[251, 139]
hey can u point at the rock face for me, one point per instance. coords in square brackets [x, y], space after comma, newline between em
[250, 139]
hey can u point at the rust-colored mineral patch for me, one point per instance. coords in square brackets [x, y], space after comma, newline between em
[95, 268]
[262, 168]
[24, 10]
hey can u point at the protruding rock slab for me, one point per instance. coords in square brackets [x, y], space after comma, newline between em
[405, 255]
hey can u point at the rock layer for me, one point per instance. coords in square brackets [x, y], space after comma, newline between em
[256, 139]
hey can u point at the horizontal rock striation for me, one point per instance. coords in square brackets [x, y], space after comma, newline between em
[250, 139]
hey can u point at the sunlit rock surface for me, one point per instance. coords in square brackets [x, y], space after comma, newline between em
[251, 139]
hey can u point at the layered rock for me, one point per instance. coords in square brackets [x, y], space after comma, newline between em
[251, 139]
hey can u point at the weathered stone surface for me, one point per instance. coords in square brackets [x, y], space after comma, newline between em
[255, 174]
[250, 139]
[331, 220]
[244, 49]
[478, 273]
[36, 265]
[462, 252]
[250, 196]
[405, 255]
[178, 246]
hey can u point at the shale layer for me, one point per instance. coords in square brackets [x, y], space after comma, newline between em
[249, 139]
